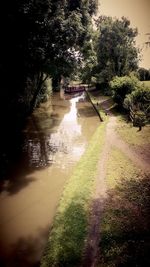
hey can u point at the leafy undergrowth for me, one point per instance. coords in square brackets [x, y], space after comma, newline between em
[125, 229]
[67, 236]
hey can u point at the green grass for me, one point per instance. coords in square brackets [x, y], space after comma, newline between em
[67, 236]
[131, 134]
[118, 164]
[125, 236]
[147, 83]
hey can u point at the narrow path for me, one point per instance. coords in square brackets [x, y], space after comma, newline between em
[91, 246]
[112, 139]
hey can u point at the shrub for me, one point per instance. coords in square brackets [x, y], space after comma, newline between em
[139, 101]
[140, 119]
[122, 86]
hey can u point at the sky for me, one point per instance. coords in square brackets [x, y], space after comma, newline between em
[138, 12]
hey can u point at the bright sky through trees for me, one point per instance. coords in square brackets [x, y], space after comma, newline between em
[138, 12]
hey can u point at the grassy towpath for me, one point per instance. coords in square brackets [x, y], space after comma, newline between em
[118, 233]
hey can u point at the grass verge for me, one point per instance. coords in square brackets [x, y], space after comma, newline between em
[146, 83]
[131, 135]
[69, 230]
[97, 99]
[125, 235]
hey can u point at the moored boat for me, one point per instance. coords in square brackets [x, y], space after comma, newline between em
[74, 88]
[78, 88]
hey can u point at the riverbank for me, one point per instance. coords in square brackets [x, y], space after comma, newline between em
[69, 231]
[104, 221]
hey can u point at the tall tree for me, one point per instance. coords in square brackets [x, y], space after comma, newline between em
[116, 51]
[89, 59]
[42, 37]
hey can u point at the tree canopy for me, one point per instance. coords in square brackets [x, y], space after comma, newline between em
[116, 51]
[41, 37]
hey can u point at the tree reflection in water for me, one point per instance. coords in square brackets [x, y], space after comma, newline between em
[44, 148]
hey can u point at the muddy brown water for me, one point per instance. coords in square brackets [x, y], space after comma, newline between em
[54, 139]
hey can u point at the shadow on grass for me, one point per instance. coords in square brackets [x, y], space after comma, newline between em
[125, 236]
[66, 241]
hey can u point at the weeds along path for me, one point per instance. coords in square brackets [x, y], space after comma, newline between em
[112, 139]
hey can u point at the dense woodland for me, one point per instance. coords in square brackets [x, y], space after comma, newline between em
[40, 39]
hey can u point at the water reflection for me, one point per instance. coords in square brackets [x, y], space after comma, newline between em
[65, 139]
[54, 147]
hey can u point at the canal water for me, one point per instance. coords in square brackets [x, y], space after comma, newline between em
[53, 140]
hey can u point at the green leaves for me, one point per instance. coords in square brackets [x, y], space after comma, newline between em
[116, 53]
[122, 86]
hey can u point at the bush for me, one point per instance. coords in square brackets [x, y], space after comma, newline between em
[139, 101]
[140, 119]
[122, 86]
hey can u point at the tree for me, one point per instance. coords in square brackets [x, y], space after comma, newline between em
[42, 38]
[116, 51]
[23, 54]
[89, 59]
[73, 37]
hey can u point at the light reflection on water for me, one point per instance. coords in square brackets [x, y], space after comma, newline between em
[60, 147]
[66, 137]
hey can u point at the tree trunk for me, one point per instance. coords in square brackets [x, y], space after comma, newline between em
[56, 83]
[140, 128]
[40, 81]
